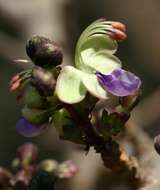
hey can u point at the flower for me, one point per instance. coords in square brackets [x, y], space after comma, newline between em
[96, 67]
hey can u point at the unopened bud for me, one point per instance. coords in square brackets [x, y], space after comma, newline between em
[36, 116]
[67, 169]
[49, 165]
[22, 178]
[28, 152]
[119, 26]
[118, 35]
[5, 177]
[15, 83]
[44, 52]
[33, 98]
[129, 102]
[157, 143]
[44, 80]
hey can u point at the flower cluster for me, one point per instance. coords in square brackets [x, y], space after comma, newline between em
[96, 69]
[26, 174]
[49, 87]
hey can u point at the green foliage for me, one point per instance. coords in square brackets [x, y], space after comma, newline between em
[111, 124]
[66, 128]
[33, 99]
[36, 116]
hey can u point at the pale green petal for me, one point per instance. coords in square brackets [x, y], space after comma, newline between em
[91, 83]
[69, 87]
[99, 61]
[94, 39]
[98, 28]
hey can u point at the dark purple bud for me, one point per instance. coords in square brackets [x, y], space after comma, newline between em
[28, 129]
[44, 80]
[44, 52]
[27, 152]
[119, 82]
[157, 143]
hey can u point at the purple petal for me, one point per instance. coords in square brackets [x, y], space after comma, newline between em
[27, 129]
[119, 82]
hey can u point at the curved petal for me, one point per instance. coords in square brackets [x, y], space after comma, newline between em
[95, 38]
[99, 61]
[27, 129]
[69, 87]
[92, 85]
[119, 82]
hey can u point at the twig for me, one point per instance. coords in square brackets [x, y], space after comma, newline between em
[114, 158]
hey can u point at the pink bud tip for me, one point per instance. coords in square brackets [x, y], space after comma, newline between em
[15, 85]
[14, 79]
[118, 35]
[119, 26]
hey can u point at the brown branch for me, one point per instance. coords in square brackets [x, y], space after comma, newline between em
[113, 157]
[147, 156]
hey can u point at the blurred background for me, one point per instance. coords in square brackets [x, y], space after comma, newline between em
[63, 21]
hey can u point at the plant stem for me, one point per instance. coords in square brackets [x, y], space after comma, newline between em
[113, 157]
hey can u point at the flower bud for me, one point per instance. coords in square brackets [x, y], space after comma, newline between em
[36, 116]
[49, 165]
[44, 52]
[22, 178]
[27, 129]
[119, 26]
[27, 152]
[118, 31]
[157, 143]
[129, 102]
[118, 35]
[15, 83]
[5, 177]
[67, 169]
[33, 98]
[44, 80]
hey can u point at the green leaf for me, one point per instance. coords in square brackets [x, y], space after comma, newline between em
[33, 99]
[36, 116]
[66, 128]
[111, 124]
[59, 119]
[92, 85]
[69, 87]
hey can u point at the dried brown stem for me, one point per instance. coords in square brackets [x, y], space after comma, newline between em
[126, 166]
[113, 157]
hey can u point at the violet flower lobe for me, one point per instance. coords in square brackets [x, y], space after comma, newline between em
[27, 129]
[119, 82]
